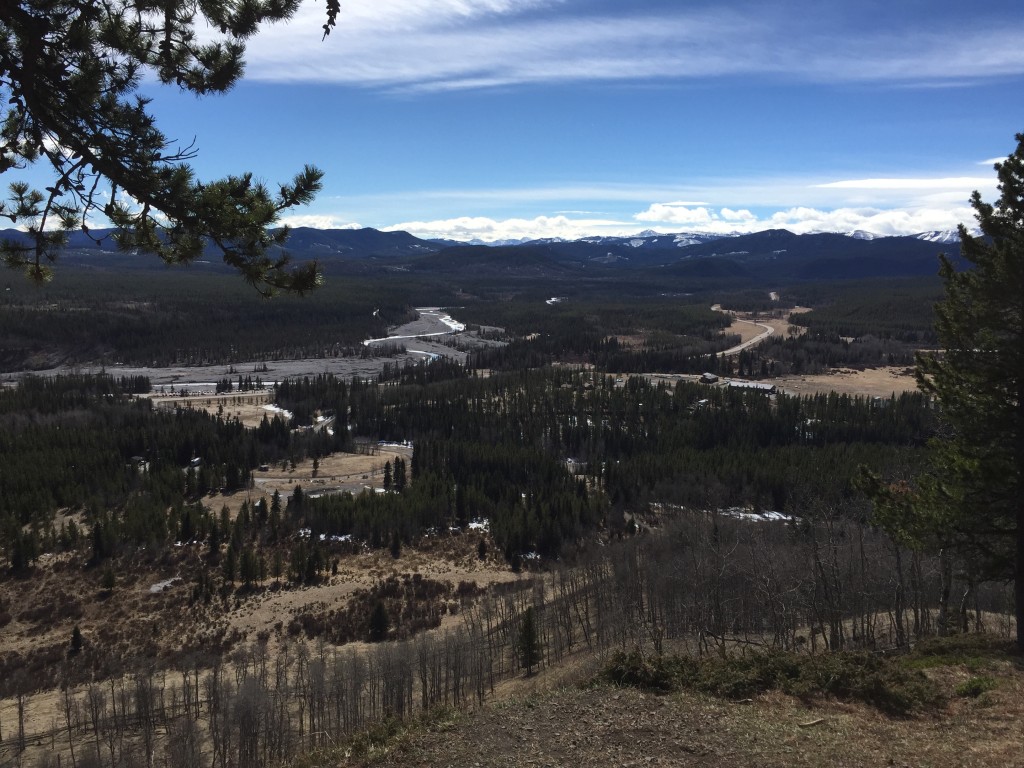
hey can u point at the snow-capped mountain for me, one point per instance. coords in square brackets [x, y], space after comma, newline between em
[942, 236]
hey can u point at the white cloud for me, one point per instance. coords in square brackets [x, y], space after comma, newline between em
[880, 222]
[459, 44]
[486, 229]
[957, 183]
[674, 218]
[315, 221]
[884, 204]
[743, 215]
[677, 213]
[700, 217]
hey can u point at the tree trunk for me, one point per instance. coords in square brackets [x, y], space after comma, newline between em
[1018, 582]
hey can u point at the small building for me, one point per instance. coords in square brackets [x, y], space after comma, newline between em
[708, 378]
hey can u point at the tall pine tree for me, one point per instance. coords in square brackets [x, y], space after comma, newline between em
[69, 75]
[974, 499]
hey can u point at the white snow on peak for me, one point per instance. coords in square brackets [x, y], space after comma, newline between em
[683, 240]
[943, 236]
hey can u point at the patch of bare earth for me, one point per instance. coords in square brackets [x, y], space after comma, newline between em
[337, 473]
[449, 560]
[248, 407]
[600, 725]
[871, 382]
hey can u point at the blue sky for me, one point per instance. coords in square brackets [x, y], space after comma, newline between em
[498, 119]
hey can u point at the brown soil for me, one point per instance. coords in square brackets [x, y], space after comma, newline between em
[599, 725]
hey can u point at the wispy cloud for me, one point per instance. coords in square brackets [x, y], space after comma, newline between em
[460, 44]
[957, 183]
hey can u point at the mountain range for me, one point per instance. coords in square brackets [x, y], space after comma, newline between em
[775, 253]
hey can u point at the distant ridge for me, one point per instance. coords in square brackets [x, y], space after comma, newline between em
[770, 254]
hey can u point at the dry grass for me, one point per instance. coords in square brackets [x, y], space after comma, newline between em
[872, 382]
[339, 472]
[555, 721]
[247, 407]
[131, 625]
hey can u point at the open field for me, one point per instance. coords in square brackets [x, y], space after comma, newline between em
[339, 472]
[248, 407]
[872, 382]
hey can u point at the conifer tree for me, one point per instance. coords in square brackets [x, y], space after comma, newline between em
[974, 497]
[528, 643]
[69, 73]
[379, 623]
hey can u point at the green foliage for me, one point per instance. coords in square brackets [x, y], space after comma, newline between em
[380, 623]
[528, 645]
[70, 74]
[976, 651]
[151, 318]
[477, 454]
[652, 672]
[901, 310]
[108, 579]
[396, 545]
[76, 641]
[976, 686]
[973, 499]
[847, 675]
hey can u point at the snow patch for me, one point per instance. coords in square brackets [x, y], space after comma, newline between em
[742, 513]
[279, 410]
[160, 586]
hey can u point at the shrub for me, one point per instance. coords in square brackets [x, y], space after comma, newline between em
[846, 675]
[973, 650]
[976, 686]
[652, 673]
[867, 677]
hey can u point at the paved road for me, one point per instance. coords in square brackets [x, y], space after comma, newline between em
[768, 331]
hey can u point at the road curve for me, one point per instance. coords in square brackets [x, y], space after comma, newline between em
[768, 331]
